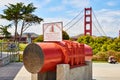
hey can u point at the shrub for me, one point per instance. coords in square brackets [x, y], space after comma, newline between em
[22, 46]
[117, 56]
[95, 58]
[102, 56]
[111, 53]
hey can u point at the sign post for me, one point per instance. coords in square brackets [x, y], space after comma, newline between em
[53, 31]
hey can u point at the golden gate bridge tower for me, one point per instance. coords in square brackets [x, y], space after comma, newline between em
[88, 21]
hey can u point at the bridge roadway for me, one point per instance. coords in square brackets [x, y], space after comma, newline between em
[101, 71]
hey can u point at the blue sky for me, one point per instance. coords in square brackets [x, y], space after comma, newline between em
[106, 11]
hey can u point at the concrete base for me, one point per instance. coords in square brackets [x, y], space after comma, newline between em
[44, 76]
[81, 73]
[64, 72]
[4, 61]
[7, 58]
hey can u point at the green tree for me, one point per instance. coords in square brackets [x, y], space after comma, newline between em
[65, 35]
[104, 48]
[4, 31]
[21, 14]
[101, 40]
[13, 13]
[28, 18]
[39, 39]
[117, 44]
[86, 40]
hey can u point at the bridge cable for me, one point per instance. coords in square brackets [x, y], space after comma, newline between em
[74, 18]
[96, 28]
[75, 23]
[99, 24]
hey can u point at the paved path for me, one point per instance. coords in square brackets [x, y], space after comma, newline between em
[101, 71]
[23, 74]
[106, 71]
[8, 72]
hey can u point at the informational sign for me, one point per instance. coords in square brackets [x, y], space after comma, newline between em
[52, 31]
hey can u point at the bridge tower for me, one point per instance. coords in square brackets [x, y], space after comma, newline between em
[88, 21]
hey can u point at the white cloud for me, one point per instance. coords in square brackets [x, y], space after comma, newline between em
[37, 3]
[38, 28]
[56, 8]
[42, 3]
[49, 20]
[111, 3]
[5, 22]
[75, 30]
[77, 3]
[109, 21]
[5, 2]
[34, 29]
[73, 13]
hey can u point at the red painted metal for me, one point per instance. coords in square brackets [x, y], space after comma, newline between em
[88, 21]
[64, 52]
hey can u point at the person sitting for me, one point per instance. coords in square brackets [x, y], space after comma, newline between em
[112, 60]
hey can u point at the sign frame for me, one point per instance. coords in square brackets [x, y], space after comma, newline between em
[52, 31]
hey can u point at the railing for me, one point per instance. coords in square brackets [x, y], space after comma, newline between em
[8, 48]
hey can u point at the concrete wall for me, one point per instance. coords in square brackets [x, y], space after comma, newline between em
[79, 73]
[9, 58]
[64, 72]
[4, 61]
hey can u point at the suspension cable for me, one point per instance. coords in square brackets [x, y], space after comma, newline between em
[99, 23]
[74, 17]
[74, 23]
[96, 28]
